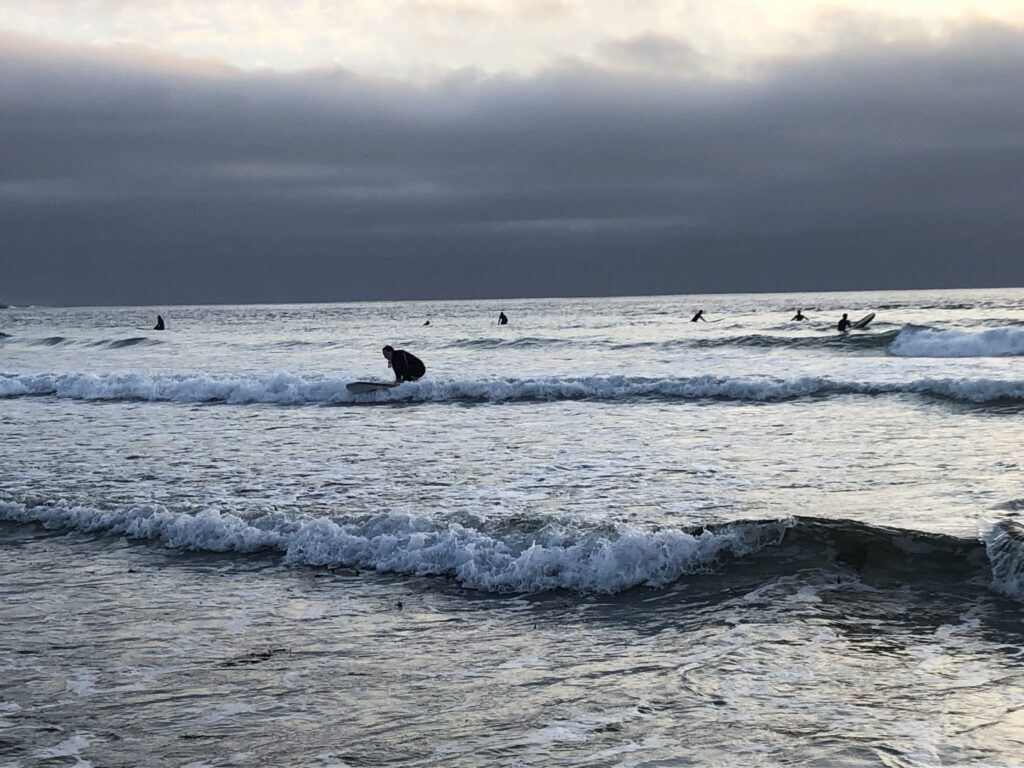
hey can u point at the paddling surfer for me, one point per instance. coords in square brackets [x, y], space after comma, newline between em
[844, 324]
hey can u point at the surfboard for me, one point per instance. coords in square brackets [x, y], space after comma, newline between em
[863, 322]
[365, 387]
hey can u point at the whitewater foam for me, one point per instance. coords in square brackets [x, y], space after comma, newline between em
[295, 389]
[1004, 543]
[572, 557]
[914, 341]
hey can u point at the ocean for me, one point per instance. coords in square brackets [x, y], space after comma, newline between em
[600, 535]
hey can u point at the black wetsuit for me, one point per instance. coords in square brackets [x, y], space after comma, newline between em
[502, 320]
[159, 324]
[843, 324]
[407, 367]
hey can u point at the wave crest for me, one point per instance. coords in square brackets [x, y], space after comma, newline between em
[536, 555]
[583, 559]
[915, 341]
[296, 389]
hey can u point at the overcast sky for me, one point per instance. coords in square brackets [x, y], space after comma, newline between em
[156, 153]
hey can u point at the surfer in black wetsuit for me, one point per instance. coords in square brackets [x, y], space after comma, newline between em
[407, 367]
[159, 323]
[698, 316]
[844, 324]
[502, 320]
[800, 315]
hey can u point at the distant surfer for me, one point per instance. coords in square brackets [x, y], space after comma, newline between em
[427, 322]
[407, 367]
[502, 320]
[799, 315]
[698, 316]
[844, 324]
[159, 323]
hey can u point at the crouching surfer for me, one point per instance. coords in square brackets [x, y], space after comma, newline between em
[407, 367]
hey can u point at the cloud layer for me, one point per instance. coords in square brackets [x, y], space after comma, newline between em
[885, 161]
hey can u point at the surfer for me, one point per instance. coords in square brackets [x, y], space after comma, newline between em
[502, 320]
[698, 316]
[799, 315]
[407, 367]
[427, 322]
[159, 323]
[844, 324]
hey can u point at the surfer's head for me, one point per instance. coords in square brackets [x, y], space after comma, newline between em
[388, 351]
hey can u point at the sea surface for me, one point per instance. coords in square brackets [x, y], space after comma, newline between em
[600, 535]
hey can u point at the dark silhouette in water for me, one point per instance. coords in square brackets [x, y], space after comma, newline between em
[844, 324]
[427, 322]
[407, 367]
[799, 315]
[159, 323]
[502, 320]
[698, 316]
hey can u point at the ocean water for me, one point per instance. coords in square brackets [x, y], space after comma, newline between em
[600, 535]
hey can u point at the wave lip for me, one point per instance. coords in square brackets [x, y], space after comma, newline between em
[294, 389]
[604, 559]
[915, 341]
[1004, 543]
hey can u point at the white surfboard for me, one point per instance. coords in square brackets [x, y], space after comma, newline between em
[863, 322]
[365, 387]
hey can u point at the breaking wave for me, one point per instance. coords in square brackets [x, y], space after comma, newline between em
[524, 556]
[295, 389]
[1004, 543]
[930, 342]
[586, 559]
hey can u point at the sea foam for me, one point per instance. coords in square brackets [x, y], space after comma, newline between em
[297, 389]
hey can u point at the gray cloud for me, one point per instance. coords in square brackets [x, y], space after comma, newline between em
[654, 53]
[136, 178]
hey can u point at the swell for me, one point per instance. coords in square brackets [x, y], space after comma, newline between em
[65, 341]
[850, 342]
[522, 342]
[527, 556]
[295, 389]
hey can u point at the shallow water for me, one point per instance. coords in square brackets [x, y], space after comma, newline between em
[600, 535]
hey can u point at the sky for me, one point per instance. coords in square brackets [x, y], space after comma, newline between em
[177, 151]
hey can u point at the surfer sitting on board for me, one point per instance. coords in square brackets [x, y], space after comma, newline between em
[844, 324]
[502, 320]
[159, 324]
[800, 315]
[407, 367]
[698, 316]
